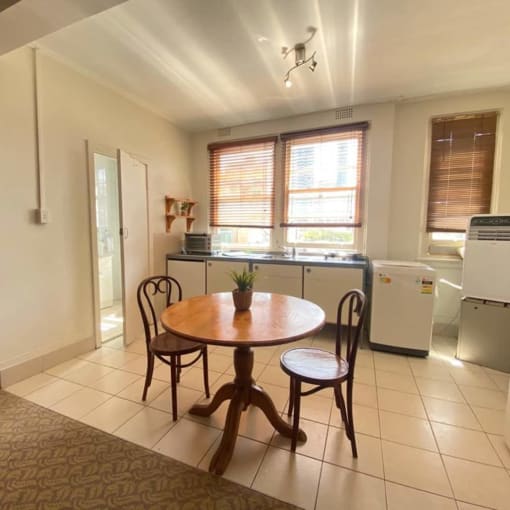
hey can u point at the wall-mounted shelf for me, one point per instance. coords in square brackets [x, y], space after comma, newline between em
[179, 208]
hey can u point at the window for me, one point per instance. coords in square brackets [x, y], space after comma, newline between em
[242, 192]
[461, 168]
[323, 185]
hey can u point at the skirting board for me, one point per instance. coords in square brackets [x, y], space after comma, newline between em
[15, 373]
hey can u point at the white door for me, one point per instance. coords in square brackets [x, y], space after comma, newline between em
[134, 239]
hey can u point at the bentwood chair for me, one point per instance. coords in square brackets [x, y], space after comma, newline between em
[324, 369]
[167, 347]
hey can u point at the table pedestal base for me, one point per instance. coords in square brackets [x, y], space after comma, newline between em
[241, 392]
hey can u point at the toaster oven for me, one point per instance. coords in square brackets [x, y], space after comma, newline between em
[197, 243]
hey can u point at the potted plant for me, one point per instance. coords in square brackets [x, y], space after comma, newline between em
[242, 295]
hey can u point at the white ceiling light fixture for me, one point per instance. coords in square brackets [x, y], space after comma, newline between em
[299, 50]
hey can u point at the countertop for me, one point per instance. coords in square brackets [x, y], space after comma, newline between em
[360, 262]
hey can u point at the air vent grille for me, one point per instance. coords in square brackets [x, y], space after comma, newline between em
[489, 234]
[224, 131]
[343, 113]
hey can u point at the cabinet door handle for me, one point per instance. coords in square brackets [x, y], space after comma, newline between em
[256, 268]
[209, 264]
[308, 270]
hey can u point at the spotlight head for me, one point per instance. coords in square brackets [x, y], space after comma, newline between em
[287, 82]
[312, 66]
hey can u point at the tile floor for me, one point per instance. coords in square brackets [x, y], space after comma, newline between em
[429, 430]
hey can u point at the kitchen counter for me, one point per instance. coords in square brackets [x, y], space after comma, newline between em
[359, 262]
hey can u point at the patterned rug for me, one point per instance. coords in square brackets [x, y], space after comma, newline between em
[49, 461]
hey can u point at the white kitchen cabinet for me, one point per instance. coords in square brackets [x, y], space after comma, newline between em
[279, 278]
[325, 286]
[190, 274]
[218, 274]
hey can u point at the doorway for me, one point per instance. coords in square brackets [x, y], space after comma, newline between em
[120, 242]
[108, 247]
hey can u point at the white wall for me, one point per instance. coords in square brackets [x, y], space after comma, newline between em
[378, 170]
[46, 287]
[397, 177]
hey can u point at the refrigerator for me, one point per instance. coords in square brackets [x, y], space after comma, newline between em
[402, 306]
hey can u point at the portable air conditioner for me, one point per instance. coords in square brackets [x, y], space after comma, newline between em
[486, 270]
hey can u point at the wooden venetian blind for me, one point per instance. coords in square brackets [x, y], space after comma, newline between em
[461, 168]
[242, 183]
[323, 176]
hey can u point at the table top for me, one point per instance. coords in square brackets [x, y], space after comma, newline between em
[272, 319]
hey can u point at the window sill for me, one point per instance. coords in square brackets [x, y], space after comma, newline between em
[445, 260]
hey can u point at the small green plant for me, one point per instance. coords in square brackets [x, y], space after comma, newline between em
[244, 280]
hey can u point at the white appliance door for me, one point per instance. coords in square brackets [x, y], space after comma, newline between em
[485, 272]
[402, 303]
[134, 239]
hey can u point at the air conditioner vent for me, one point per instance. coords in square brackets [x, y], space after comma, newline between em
[343, 113]
[224, 131]
[489, 234]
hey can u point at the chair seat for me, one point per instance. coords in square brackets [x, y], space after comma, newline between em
[168, 343]
[314, 365]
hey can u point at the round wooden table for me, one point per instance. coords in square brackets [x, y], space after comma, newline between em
[273, 319]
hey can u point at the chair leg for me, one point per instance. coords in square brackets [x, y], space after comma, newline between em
[297, 408]
[178, 379]
[173, 384]
[292, 387]
[205, 365]
[148, 374]
[351, 419]
[340, 403]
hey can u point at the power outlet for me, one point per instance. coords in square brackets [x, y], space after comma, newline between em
[42, 216]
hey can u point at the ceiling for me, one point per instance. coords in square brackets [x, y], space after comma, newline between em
[207, 64]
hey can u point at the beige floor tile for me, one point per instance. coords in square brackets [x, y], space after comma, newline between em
[194, 378]
[186, 397]
[117, 359]
[162, 373]
[53, 392]
[222, 379]
[364, 375]
[81, 403]
[139, 366]
[469, 378]
[399, 402]
[407, 430]
[290, 477]
[115, 381]
[111, 414]
[394, 381]
[501, 379]
[453, 413]
[216, 420]
[187, 441]
[343, 488]
[138, 347]
[255, 425]
[364, 395]
[439, 389]
[135, 390]
[87, 374]
[482, 397]
[503, 451]
[245, 462]
[467, 506]
[430, 368]
[478, 484]
[62, 369]
[97, 355]
[147, 427]
[338, 451]
[395, 363]
[217, 362]
[262, 354]
[492, 420]
[465, 444]
[366, 420]
[31, 384]
[258, 368]
[364, 358]
[316, 434]
[315, 408]
[273, 375]
[279, 395]
[415, 468]
[405, 498]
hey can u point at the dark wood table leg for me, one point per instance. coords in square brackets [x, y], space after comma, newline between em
[242, 392]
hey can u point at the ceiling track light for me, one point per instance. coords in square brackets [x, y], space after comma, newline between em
[299, 50]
